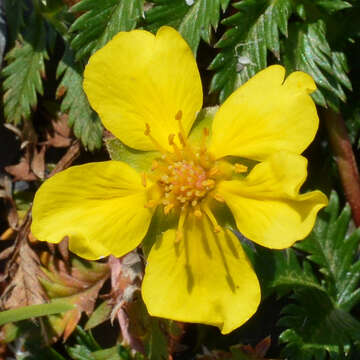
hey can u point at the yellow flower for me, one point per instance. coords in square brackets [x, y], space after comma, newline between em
[147, 91]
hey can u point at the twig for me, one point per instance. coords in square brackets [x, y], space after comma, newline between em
[70, 156]
[345, 159]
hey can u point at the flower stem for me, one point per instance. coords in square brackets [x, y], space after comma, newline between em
[345, 159]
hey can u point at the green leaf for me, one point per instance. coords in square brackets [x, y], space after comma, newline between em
[335, 250]
[101, 314]
[14, 10]
[100, 21]
[316, 326]
[85, 122]
[24, 71]
[307, 49]
[332, 5]
[318, 321]
[194, 22]
[33, 311]
[281, 271]
[253, 29]
[139, 160]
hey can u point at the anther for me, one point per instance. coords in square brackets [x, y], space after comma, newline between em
[151, 204]
[147, 133]
[143, 179]
[240, 168]
[208, 183]
[168, 208]
[178, 115]
[203, 140]
[213, 171]
[155, 165]
[210, 215]
[147, 129]
[218, 197]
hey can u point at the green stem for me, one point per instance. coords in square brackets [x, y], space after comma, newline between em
[345, 159]
[32, 311]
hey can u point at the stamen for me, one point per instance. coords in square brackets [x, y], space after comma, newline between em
[168, 208]
[181, 134]
[218, 197]
[151, 204]
[180, 231]
[143, 179]
[155, 165]
[172, 143]
[240, 168]
[208, 183]
[147, 133]
[203, 140]
[210, 215]
[213, 171]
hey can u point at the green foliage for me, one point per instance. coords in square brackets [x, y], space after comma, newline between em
[24, 72]
[257, 27]
[15, 18]
[82, 118]
[194, 21]
[32, 311]
[253, 29]
[334, 251]
[307, 49]
[318, 319]
[100, 21]
[317, 280]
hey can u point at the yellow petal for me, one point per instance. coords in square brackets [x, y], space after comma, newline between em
[266, 115]
[99, 206]
[266, 205]
[138, 78]
[204, 278]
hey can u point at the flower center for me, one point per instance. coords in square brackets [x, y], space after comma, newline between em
[185, 178]
[185, 183]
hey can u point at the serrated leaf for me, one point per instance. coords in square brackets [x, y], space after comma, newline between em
[282, 271]
[307, 49]
[332, 5]
[23, 73]
[85, 122]
[14, 10]
[319, 322]
[254, 29]
[194, 21]
[335, 251]
[100, 21]
[316, 326]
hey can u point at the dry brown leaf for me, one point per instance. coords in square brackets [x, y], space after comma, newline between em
[6, 194]
[38, 162]
[59, 135]
[126, 275]
[21, 171]
[24, 288]
[78, 283]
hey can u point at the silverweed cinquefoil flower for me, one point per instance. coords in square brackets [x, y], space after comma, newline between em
[147, 92]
